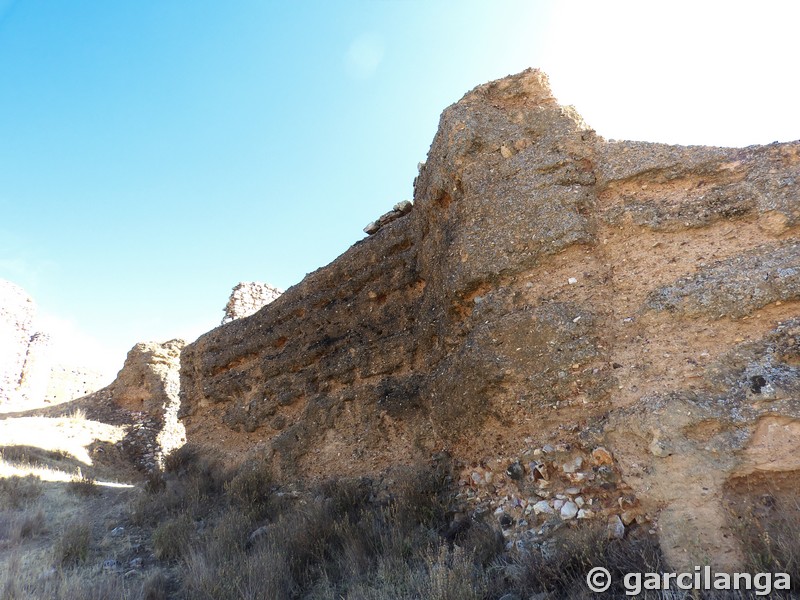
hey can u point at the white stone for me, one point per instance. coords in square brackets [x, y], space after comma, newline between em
[569, 510]
[573, 465]
[543, 507]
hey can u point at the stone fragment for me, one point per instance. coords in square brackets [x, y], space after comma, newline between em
[399, 210]
[660, 448]
[616, 529]
[403, 207]
[601, 456]
[573, 465]
[515, 471]
[506, 520]
[569, 510]
[543, 507]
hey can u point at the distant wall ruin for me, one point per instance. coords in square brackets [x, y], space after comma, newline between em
[249, 297]
[27, 370]
[23, 351]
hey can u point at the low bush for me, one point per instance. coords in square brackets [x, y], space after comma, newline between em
[83, 485]
[17, 492]
[171, 538]
[72, 547]
[251, 489]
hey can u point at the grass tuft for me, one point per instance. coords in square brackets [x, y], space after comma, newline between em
[83, 485]
[72, 547]
[17, 492]
[171, 538]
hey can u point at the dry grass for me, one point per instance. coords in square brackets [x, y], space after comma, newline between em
[52, 511]
[764, 513]
[171, 538]
[210, 534]
[72, 546]
[22, 526]
[83, 485]
[16, 492]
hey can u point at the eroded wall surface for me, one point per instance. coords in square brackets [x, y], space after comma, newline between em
[549, 290]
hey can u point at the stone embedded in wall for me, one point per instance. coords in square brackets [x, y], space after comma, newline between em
[398, 210]
[248, 298]
[549, 289]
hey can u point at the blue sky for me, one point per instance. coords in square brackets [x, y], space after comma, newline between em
[153, 153]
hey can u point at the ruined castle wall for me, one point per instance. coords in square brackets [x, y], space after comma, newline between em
[548, 288]
[248, 298]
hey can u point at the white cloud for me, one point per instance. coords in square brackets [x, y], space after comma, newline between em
[364, 55]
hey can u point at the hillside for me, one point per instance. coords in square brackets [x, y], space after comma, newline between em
[566, 351]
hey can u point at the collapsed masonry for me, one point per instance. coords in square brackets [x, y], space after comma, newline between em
[551, 294]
